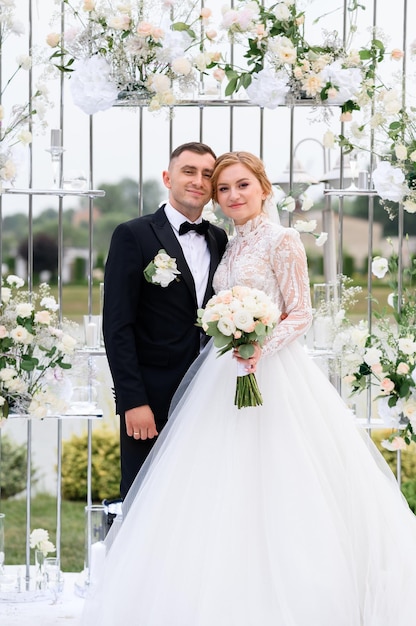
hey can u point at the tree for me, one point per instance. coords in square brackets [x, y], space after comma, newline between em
[45, 254]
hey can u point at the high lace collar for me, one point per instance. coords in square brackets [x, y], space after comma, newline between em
[250, 226]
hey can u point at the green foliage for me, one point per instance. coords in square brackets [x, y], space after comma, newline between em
[13, 465]
[409, 492]
[105, 466]
[43, 510]
[408, 456]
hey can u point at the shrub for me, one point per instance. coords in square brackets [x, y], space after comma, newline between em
[105, 466]
[13, 467]
[408, 456]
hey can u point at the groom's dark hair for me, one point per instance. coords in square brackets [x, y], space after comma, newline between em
[192, 146]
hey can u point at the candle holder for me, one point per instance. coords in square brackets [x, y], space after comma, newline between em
[56, 151]
[95, 532]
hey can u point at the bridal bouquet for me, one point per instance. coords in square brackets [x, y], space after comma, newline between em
[34, 350]
[236, 318]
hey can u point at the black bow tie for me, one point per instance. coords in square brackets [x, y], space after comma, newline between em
[201, 228]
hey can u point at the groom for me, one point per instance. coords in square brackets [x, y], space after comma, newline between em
[149, 327]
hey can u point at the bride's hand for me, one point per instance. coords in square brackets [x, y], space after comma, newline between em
[140, 423]
[251, 363]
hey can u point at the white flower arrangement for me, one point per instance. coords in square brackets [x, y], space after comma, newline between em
[39, 540]
[385, 358]
[162, 270]
[115, 52]
[280, 59]
[15, 119]
[34, 350]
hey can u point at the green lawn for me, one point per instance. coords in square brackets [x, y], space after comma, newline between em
[43, 515]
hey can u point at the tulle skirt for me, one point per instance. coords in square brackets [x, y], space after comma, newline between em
[279, 515]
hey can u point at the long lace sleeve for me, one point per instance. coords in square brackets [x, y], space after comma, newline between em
[290, 267]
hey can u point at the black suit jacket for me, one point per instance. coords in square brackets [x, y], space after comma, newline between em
[149, 331]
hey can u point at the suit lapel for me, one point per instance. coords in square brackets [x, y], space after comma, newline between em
[215, 259]
[164, 232]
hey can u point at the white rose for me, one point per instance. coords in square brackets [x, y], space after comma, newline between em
[182, 66]
[268, 88]
[67, 344]
[372, 356]
[401, 151]
[409, 206]
[6, 294]
[226, 326]
[43, 317]
[24, 309]
[159, 83]
[281, 12]
[389, 182]
[407, 345]
[7, 373]
[244, 321]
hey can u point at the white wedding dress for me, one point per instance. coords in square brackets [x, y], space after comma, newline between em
[279, 515]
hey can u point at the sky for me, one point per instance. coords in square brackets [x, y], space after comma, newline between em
[116, 131]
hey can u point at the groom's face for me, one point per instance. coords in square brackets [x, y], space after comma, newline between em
[189, 182]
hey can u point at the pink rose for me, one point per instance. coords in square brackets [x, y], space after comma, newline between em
[3, 332]
[377, 368]
[397, 54]
[386, 385]
[403, 368]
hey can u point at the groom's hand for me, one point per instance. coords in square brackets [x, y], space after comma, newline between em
[140, 423]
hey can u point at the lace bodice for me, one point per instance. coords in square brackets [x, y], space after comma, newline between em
[270, 257]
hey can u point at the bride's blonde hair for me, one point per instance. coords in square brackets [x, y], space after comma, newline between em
[250, 161]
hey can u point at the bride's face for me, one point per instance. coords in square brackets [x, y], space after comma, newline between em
[239, 193]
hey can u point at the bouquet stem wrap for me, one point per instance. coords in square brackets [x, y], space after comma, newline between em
[247, 392]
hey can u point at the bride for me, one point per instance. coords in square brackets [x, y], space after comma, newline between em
[283, 514]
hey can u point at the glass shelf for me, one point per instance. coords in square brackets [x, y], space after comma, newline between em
[91, 193]
[351, 192]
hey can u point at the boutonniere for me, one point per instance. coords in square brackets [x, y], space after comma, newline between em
[162, 270]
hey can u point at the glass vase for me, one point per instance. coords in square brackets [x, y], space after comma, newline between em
[39, 569]
[326, 298]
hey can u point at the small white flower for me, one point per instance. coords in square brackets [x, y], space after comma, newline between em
[24, 61]
[24, 309]
[322, 239]
[288, 204]
[15, 281]
[379, 266]
[305, 227]
[49, 302]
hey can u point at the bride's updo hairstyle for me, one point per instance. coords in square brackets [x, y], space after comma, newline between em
[250, 161]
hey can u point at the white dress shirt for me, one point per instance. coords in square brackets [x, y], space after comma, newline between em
[195, 250]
